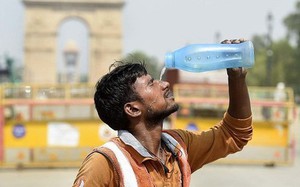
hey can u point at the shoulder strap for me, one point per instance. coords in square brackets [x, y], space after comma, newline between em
[125, 172]
[129, 179]
[109, 155]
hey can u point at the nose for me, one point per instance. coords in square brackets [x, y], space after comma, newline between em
[164, 84]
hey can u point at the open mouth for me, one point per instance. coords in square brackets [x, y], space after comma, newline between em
[169, 94]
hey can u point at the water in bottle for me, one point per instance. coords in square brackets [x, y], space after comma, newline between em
[208, 57]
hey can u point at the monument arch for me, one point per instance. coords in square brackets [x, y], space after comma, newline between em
[43, 18]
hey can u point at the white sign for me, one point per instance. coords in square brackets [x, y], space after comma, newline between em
[62, 134]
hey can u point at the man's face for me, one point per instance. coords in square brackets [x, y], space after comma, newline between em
[157, 97]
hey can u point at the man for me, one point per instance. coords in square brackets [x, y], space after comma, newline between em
[131, 101]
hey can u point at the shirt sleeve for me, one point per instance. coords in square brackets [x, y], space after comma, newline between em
[227, 137]
[97, 171]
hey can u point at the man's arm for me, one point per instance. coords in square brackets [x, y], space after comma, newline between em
[233, 132]
[239, 102]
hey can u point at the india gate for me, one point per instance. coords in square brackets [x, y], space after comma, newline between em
[43, 18]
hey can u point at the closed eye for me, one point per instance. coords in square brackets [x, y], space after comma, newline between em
[150, 83]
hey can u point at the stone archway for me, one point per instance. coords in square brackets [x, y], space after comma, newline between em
[42, 20]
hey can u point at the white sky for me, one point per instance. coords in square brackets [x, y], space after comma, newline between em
[158, 26]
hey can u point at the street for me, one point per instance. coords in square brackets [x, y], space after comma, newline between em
[210, 175]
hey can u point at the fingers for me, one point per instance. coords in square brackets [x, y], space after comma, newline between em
[239, 70]
[226, 42]
[236, 72]
[233, 41]
[237, 41]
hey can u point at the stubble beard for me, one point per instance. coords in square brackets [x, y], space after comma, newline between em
[155, 117]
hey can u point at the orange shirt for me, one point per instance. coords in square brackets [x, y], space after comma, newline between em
[229, 136]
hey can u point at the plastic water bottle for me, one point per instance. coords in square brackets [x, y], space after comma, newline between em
[207, 57]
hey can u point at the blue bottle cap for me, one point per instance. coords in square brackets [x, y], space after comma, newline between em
[169, 60]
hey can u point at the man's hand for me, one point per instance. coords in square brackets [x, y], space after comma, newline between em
[234, 73]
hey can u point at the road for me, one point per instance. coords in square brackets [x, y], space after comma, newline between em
[210, 175]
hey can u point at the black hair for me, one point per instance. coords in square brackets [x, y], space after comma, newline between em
[114, 90]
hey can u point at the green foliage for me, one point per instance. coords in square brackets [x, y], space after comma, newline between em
[257, 74]
[284, 57]
[283, 63]
[152, 64]
[12, 73]
[292, 22]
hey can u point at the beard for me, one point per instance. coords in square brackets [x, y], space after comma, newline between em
[154, 117]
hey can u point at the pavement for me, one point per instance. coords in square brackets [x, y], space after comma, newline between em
[210, 175]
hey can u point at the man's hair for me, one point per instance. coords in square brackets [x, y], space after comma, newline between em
[114, 90]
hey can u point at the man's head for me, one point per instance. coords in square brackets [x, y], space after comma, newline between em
[128, 92]
[114, 90]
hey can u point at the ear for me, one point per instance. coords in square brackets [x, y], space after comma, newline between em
[132, 109]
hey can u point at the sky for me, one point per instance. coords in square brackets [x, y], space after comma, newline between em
[159, 26]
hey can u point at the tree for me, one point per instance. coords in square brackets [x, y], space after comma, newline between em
[153, 66]
[257, 74]
[292, 22]
[9, 74]
[283, 63]
[283, 59]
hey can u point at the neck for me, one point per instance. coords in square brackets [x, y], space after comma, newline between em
[149, 138]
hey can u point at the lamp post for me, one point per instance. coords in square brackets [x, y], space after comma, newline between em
[71, 52]
[269, 52]
[217, 37]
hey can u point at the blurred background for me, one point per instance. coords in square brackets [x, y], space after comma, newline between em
[53, 52]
